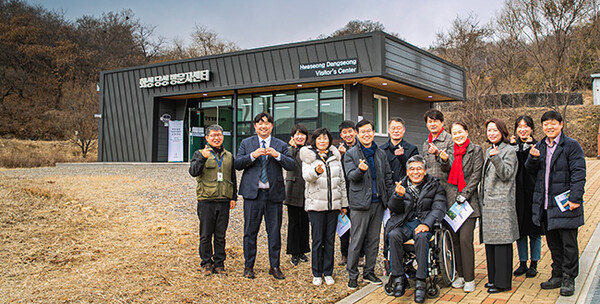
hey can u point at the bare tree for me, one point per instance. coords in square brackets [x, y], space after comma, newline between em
[79, 106]
[544, 30]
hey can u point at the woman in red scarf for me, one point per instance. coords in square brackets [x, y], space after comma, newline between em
[464, 161]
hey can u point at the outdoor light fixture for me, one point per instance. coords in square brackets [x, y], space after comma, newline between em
[299, 85]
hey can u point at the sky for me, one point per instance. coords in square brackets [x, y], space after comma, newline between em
[259, 23]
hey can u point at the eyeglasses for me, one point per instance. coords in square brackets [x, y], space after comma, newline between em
[215, 135]
[370, 131]
[415, 169]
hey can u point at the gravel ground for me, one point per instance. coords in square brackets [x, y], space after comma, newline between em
[138, 242]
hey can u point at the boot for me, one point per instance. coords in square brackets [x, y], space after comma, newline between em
[521, 270]
[532, 271]
[567, 288]
[419, 291]
[401, 285]
[552, 283]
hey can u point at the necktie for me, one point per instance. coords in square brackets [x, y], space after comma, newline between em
[263, 163]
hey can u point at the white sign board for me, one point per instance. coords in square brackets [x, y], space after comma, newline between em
[175, 141]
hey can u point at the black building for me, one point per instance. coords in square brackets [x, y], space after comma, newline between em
[318, 83]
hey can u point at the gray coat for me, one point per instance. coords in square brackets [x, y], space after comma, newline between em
[434, 165]
[294, 183]
[360, 183]
[472, 166]
[497, 196]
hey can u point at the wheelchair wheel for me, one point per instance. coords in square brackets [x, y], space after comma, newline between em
[447, 263]
[389, 287]
[433, 290]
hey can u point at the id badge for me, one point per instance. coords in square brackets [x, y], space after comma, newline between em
[219, 176]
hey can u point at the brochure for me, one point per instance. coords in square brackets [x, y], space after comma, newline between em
[458, 214]
[386, 216]
[343, 225]
[561, 199]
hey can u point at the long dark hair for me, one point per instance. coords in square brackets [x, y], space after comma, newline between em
[317, 133]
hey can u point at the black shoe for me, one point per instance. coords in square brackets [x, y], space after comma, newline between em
[532, 271]
[553, 283]
[567, 287]
[488, 285]
[497, 289]
[352, 284]
[249, 273]
[295, 260]
[276, 273]
[401, 285]
[419, 291]
[372, 278]
[521, 270]
[303, 258]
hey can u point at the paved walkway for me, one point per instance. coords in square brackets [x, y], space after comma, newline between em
[525, 290]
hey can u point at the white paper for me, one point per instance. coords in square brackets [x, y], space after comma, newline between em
[458, 214]
[343, 225]
[386, 216]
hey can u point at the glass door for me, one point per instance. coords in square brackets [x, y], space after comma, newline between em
[199, 119]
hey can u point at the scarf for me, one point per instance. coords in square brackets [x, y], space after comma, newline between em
[369, 155]
[457, 176]
[431, 139]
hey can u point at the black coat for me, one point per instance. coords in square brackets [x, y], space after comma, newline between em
[294, 183]
[431, 205]
[398, 163]
[524, 193]
[567, 172]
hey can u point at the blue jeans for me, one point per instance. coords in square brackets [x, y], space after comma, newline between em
[535, 243]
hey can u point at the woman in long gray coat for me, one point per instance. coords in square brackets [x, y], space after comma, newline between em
[464, 161]
[499, 228]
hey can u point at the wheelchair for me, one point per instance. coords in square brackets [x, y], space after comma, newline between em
[441, 264]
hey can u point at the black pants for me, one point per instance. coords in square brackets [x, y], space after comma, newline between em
[323, 225]
[254, 210]
[214, 218]
[499, 264]
[464, 250]
[564, 251]
[401, 234]
[298, 226]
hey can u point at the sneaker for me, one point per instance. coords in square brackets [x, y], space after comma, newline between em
[329, 280]
[372, 278]
[567, 287]
[469, 286]
[295, 260]
[352, 284]
[552, 283]
[303, 258]
[317, 281]
[458, 283]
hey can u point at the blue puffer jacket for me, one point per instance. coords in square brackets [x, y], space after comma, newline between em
[567, 172]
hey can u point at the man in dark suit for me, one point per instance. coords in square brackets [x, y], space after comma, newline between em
[262, 157]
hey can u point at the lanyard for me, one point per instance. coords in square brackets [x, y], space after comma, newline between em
[218, 162]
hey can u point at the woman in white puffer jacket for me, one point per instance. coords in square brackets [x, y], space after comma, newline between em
[325, 199]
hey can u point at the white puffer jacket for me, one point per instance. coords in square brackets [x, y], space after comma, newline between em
[325, 191]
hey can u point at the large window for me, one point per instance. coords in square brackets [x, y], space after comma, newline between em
[315, 108]
[380, 114]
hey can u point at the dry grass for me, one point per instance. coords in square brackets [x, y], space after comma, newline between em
[16, 153]
[85, 238]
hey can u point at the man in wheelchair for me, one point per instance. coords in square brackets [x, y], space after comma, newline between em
[419, 201]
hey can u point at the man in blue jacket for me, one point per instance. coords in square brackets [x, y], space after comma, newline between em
[262, 158]
[559, 163]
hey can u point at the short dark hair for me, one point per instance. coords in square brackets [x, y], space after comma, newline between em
[347, 124]
[552, 115]
[527, 119]
[260, 116]
[397, 119]
[365, 122]
[501, 127]
[318, 132]
[299, 128]
[460, 123]
[214, 127]
[434, 114]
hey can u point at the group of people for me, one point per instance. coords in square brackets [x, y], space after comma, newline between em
[514, 188]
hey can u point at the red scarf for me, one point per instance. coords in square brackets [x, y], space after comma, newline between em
[431, 139]
[457, 176]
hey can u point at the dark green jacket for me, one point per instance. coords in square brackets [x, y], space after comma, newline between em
[205, 171]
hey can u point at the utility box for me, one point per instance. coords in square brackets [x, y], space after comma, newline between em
[596, 88]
